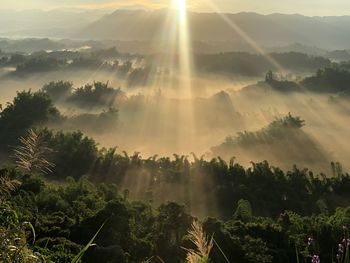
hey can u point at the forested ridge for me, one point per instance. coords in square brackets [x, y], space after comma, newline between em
[174, 131]
[59, 188]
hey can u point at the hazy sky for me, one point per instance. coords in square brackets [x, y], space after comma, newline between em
[307, 7]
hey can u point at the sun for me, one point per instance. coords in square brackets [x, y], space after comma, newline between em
[181, 6]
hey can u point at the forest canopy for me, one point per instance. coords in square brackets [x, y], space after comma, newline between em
[97, 188]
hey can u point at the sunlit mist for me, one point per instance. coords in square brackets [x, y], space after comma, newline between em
[168, 79]
[184, 47]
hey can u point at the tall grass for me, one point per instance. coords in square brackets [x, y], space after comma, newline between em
[13, 240]
[78, 257]
[7, 186]
[31, 154]
[221, 251]
[203, 244]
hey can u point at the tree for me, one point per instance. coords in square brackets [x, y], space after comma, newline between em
[58, 90]
[244, 210]
[73, 153]
[27, 109]
[172, 224]
[269, 76]
[38, 64]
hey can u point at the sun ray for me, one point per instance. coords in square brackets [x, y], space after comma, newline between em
[250, 41]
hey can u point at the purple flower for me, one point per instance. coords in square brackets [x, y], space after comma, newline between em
[340, 249]
[315, 259]
[310, 241]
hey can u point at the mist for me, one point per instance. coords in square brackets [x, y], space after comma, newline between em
[152, 119]
[172, 135]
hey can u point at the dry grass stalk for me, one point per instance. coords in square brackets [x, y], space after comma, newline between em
[203, 244]
[7, 186]
[31, 154]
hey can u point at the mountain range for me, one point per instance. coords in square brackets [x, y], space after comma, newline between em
[207, 29]
[266, 30]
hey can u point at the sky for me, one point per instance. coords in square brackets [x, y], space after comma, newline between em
[305, 7]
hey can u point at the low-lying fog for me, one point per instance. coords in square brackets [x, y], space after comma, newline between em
[158, 119]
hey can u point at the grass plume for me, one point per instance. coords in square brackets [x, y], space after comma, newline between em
[202, 242]
[31, 154]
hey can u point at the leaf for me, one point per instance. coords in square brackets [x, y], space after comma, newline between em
[78, 257]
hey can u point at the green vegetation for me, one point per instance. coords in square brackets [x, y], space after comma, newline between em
[246, 64]
[281, 85]
[275, 130]
[90, 96]
[59, 189]
[332, 80]
[66, 216]
[38, 64]
[27, 109]
[105, 121]
[96, 95]
[272, 140]
[138, 70]
[103, 60]
[64, 199]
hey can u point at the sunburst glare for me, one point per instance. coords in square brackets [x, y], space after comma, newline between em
[181, 5]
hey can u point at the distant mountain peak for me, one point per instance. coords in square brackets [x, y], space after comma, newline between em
[265, 30]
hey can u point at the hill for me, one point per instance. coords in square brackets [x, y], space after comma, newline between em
[267, 30]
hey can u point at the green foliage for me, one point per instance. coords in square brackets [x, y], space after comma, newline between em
[65, 216]
[38, 64]
[96, 95]
[105, 121]
[72, 153]
[86, 63]
[58, 90]
[139, 77]
[246, 64]
[279, 128]
[244, 211]
[106, 53]
[14, 243]
[280, 85]
[272, 140]
[330, 79]
[27, 109]
[78, 257]
[16, 59]
[171, 226]
[14, 249]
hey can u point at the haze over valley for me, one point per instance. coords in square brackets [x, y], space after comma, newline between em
[156, 131]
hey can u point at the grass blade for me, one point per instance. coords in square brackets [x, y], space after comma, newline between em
[32, 229]
[82, 252]
[222, 252]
